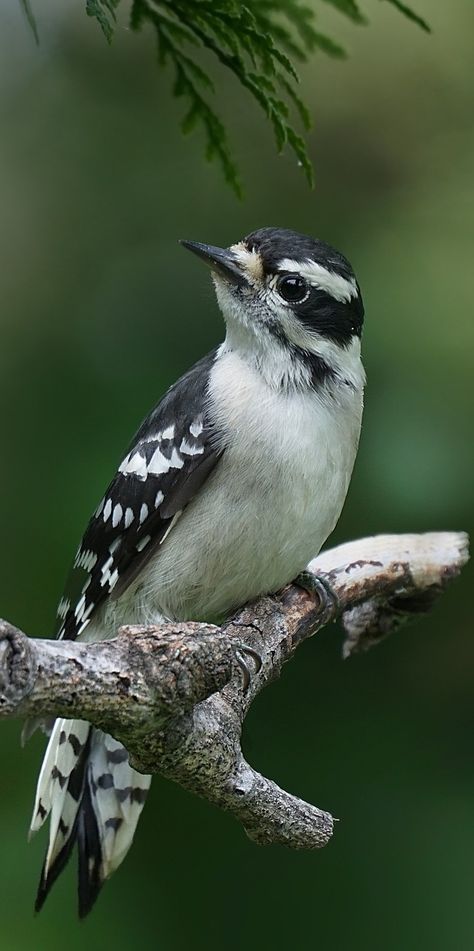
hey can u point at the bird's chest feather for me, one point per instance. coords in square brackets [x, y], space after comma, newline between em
[269, 505]
[288, 456]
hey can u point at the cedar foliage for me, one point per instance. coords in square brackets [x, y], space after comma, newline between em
[258, 41]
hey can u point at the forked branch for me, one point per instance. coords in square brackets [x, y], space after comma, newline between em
[175, 696]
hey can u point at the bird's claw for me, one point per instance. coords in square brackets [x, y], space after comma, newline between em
[240, 652]
[314, 584]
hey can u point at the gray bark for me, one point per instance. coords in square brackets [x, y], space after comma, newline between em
[175, 694]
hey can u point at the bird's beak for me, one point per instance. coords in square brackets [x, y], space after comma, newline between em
[220, 260]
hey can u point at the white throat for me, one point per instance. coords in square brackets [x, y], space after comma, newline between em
[248, 335]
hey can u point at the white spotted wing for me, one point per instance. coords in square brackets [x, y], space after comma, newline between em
[167, 462]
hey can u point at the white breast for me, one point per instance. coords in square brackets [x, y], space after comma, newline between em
[269, 505]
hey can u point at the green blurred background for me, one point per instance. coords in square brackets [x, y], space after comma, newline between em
[100, 310]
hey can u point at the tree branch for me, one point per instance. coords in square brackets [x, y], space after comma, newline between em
[174, 694]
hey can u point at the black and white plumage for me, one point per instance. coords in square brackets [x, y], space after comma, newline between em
[169, 458]
[230, 486]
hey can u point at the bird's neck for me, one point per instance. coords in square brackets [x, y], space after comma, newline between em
[289, 367]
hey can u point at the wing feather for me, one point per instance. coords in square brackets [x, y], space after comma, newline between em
[168, 461]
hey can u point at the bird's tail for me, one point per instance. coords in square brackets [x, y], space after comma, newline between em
[94, 798]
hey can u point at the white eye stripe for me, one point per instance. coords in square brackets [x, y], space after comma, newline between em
[341, 288]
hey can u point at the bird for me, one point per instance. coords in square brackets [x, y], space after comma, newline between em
[230, 486]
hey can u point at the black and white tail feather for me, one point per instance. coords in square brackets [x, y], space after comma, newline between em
[94, 798]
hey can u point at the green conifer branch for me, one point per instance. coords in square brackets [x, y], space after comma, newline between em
[258, 41]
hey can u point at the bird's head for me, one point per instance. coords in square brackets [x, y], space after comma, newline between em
[290, 302]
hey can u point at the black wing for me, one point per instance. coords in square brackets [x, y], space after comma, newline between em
[168, 460]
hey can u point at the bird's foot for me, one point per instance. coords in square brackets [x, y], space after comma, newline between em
[241, 652]
[314, 584]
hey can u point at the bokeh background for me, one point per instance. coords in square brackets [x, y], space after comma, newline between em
[100, 310]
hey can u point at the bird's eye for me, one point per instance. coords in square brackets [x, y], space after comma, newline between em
[293, 288]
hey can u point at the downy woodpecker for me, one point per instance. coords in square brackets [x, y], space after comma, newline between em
[230, 486]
